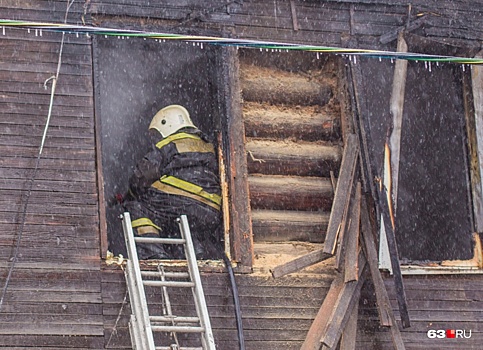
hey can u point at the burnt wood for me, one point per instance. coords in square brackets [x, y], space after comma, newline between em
[351, 266]
[321, 321]
[367, 234]
[342, 310]
[393, 251]
[242, 236]
[342, 193]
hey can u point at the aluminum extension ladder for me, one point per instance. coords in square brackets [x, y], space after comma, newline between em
[142, 324]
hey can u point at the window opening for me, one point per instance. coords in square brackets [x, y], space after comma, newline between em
[134, 79]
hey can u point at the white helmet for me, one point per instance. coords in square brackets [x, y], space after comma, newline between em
[170, 119]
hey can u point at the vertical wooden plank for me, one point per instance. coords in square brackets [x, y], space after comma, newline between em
[100, 176]
[224, 195]
[477, 84]
[397, 106]
[294, 15]
[342, 193]
[234, 139]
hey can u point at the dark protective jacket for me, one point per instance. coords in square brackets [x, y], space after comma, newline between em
[183, 164]
[179, 176]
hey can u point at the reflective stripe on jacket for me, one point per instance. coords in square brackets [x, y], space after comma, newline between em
[182, 164]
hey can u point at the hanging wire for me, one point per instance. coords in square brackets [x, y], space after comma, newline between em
[54, 79]
[245, 43]
[118, 318]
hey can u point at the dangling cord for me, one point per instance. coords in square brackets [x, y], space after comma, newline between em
[54, 79]
[236, 301]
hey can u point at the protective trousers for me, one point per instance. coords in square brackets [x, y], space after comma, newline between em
[158, 218]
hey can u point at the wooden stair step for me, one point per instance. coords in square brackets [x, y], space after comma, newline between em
[309, 123]
[292, 158]
[288, 225]
[260, 84]
[279, 192]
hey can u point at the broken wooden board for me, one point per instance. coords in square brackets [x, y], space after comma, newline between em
[351, 266]
[300, 263]
[342, 310]
[393, 252]
[344, 184]
[312, 340]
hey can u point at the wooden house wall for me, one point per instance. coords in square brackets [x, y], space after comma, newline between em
[58, 297]
[53, 299]
[434, 303]
[329, 23]
[276, 312]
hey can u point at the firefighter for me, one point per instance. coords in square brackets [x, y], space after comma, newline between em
[179, 176]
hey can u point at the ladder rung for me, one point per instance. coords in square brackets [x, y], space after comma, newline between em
[178, 329]
[180, 348]
[166, 274]
[181, 319]
[159, 240]
[168, 284]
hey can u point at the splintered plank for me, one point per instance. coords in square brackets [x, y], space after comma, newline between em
[321, 321]
[386, 208]
[342, 309]
[342, 193]
[352, 248]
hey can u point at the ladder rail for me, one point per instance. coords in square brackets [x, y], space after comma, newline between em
[142, 326]
[199, 297]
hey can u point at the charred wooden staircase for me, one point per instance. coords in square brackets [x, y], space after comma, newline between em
[293, 142]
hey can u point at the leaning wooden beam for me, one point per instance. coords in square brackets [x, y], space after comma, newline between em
[300, 263]
[383, 304]
[351, 266]
[342, 310]
[348, 339]
[477, 85]
[345, 225]
[342, 192]
[397, 108]
[388, 218]
[386, 314]
[312, 340]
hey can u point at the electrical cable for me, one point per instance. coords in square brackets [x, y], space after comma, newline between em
[245, 43]
[236, 301]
